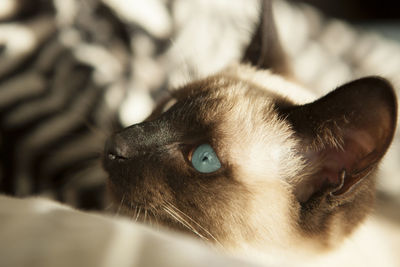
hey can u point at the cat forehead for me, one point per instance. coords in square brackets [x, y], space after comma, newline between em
[222, 88]
[218, 96]
[240, 82]
[223, 102]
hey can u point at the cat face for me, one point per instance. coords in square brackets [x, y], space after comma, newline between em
[289, 174]
[152, 168]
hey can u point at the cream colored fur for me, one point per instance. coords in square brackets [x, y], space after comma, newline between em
[272, 214]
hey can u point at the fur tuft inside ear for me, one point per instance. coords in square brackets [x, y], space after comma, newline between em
[344, 135]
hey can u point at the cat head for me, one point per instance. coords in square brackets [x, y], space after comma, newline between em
[246, 158]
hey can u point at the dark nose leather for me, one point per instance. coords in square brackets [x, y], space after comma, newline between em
[137, 140]
[116, 148]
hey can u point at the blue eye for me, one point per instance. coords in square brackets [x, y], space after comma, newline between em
[205, 160]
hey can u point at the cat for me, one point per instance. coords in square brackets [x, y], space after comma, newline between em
[252, 162]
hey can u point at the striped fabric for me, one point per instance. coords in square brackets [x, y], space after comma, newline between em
[70, 73]
[56, 70]
[73, 71]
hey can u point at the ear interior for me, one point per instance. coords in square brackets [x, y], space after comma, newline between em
[344, 135]
[265, 50]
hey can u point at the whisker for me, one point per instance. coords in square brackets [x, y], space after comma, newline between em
[155, 218]
[137, 215]
[196, 223]
[109, 207]
[177, 217]
[120, 205]
[134, 213]
[150, 222]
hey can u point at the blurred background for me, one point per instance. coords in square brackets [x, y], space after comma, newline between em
[381, 16]
[358, 10]
[73, 71]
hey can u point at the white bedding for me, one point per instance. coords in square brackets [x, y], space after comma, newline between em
[40, 232]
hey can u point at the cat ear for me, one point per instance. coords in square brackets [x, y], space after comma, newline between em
[345, 134]
[265, 50]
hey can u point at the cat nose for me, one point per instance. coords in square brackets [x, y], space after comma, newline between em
[116, 148]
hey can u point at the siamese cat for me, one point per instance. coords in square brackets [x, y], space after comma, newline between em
[250, 161]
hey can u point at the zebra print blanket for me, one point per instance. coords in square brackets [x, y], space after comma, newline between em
[73, 71]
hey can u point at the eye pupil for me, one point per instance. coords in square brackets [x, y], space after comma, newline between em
[205, 160]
